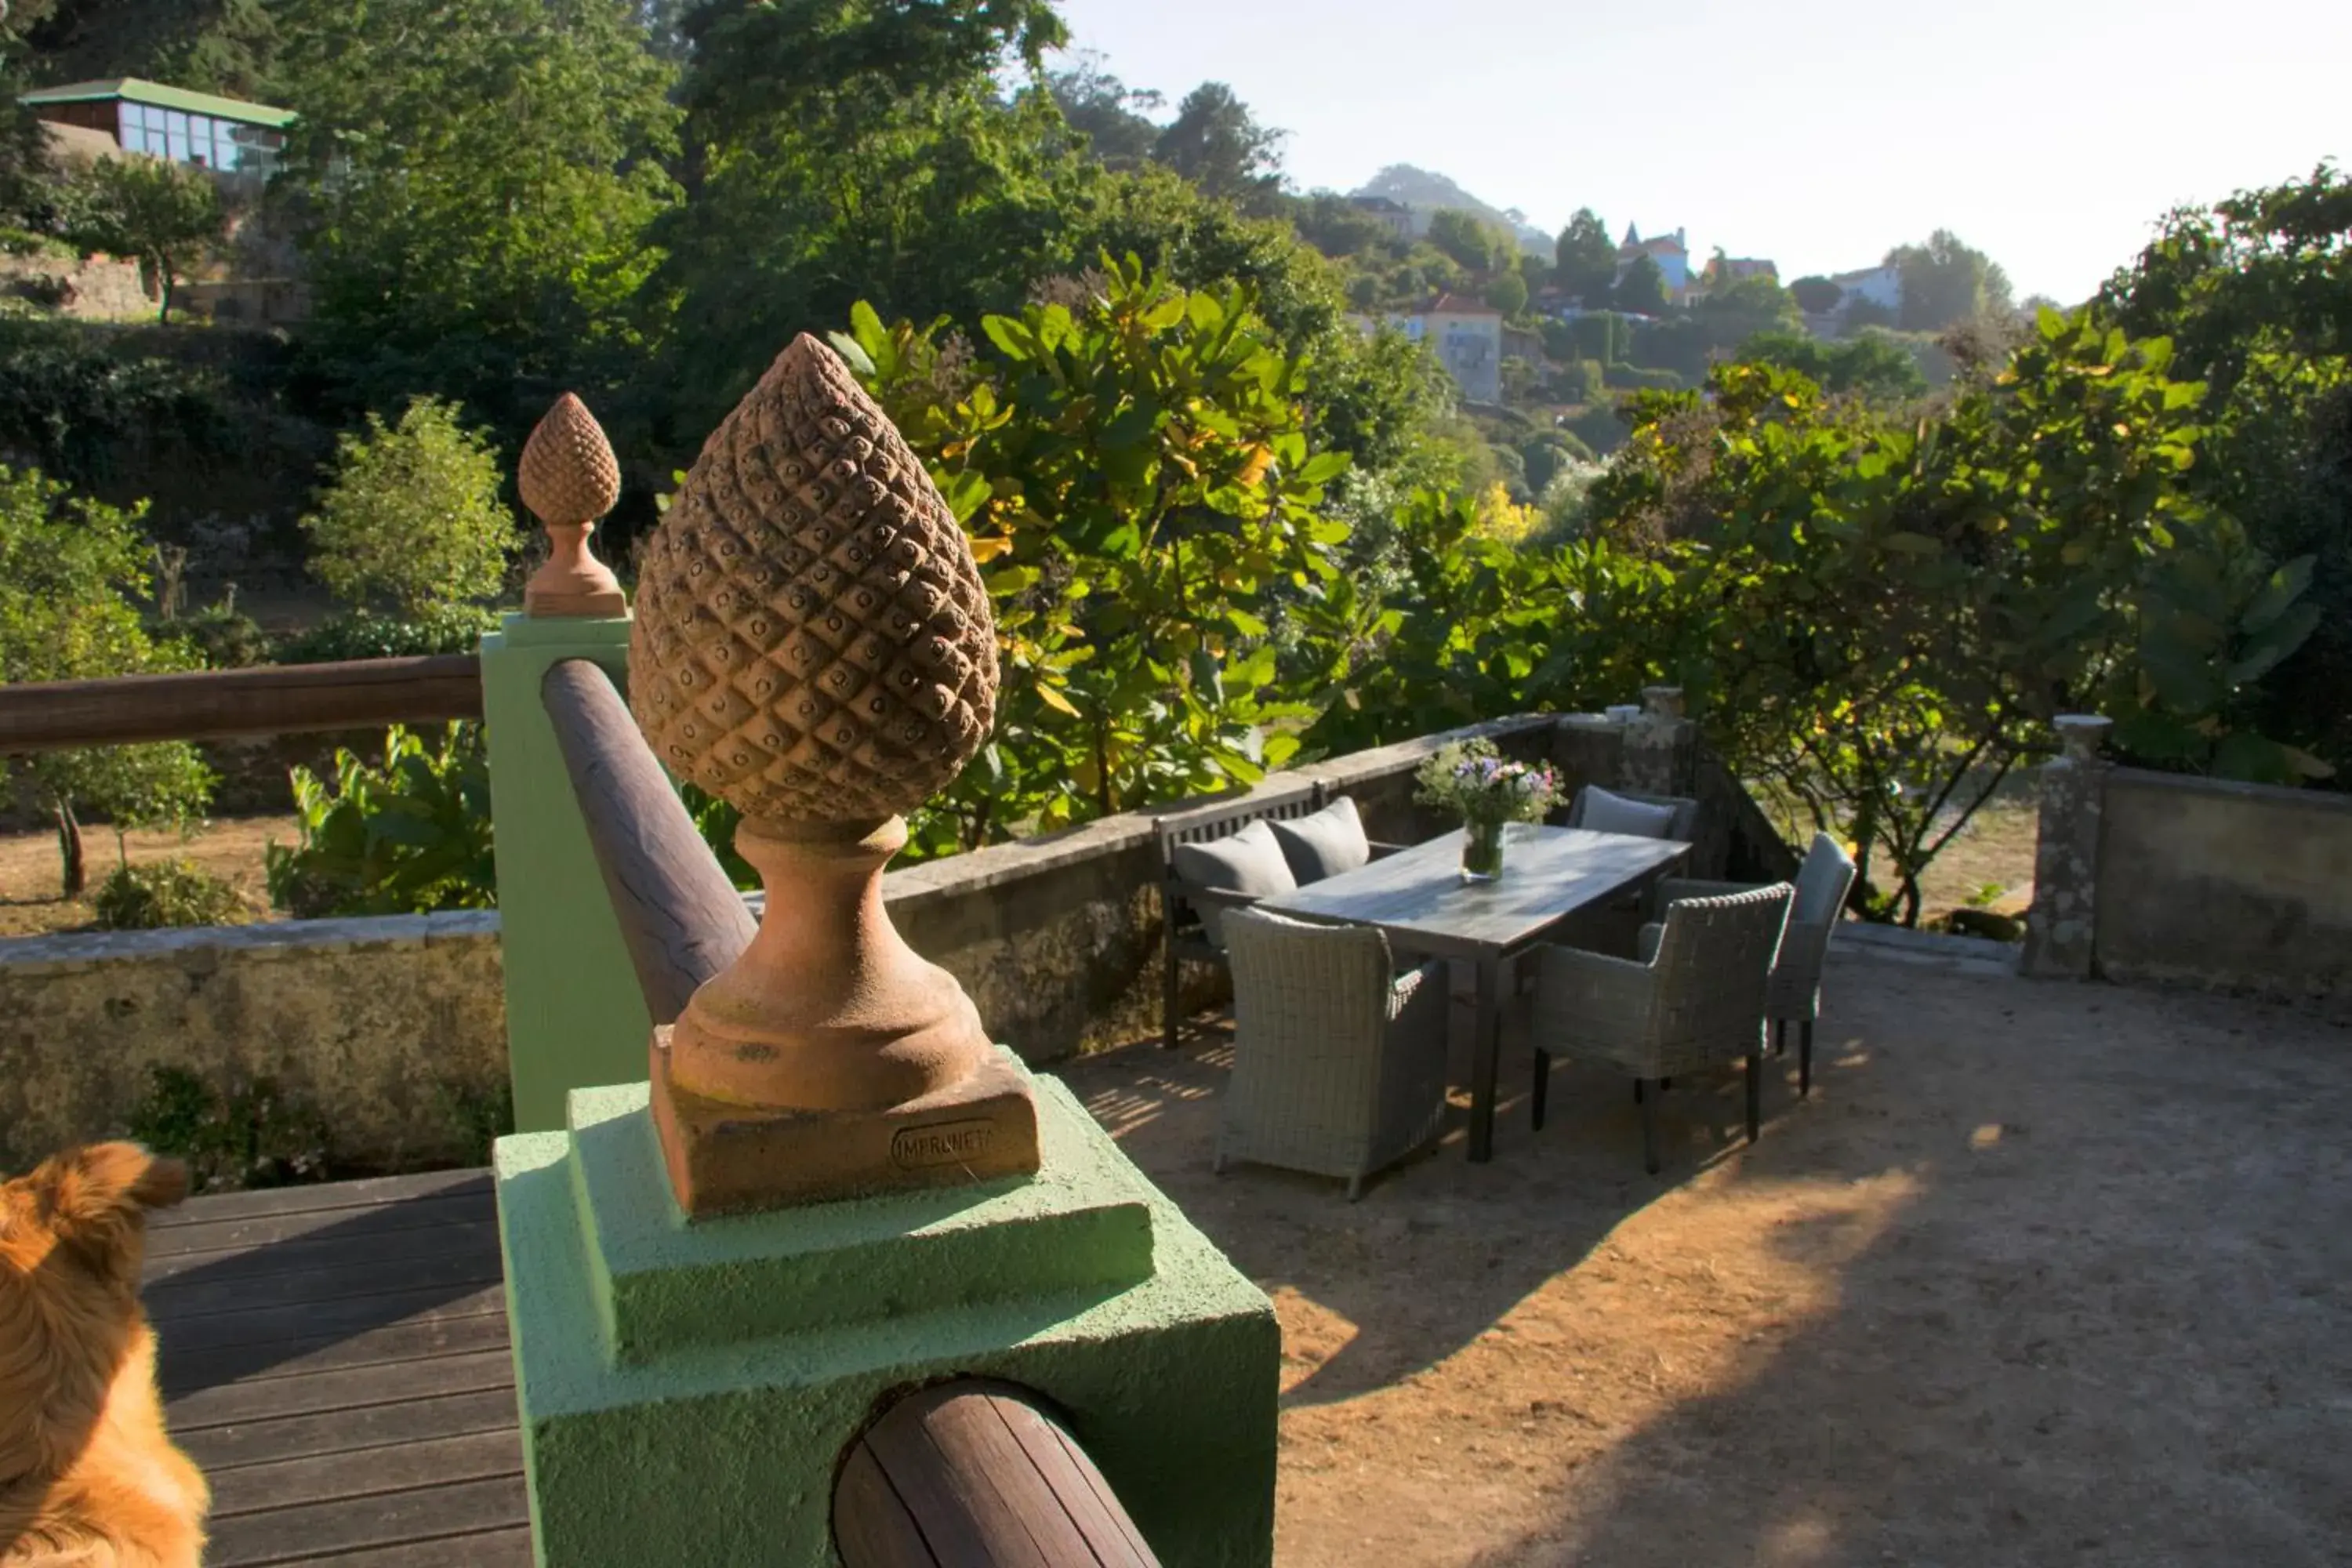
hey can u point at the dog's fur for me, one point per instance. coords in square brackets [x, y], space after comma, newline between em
[88, 1478]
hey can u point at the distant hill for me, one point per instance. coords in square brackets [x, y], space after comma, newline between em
[1425, 192]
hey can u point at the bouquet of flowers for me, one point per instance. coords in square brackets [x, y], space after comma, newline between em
[1470, 777]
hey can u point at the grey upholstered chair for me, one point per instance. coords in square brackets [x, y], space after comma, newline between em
[1695, 999]
[1682, 824]
[1795, 997]
[1339, 1063]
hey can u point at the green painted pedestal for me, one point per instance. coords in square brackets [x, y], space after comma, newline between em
[574, 1014]
[686, 1391]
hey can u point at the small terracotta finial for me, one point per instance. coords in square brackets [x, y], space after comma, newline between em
[569, 479]
[813, 644]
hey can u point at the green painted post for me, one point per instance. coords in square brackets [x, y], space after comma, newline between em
[574, 1016]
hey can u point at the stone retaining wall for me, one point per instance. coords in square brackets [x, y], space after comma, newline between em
[395, 1028]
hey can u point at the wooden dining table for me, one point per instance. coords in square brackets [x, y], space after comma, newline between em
[1419, 899]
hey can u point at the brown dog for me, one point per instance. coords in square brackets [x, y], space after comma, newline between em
[88, 1478]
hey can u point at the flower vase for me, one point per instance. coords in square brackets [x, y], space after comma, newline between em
[1482, 851]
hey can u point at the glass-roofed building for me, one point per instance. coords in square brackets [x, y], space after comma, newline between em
[226, 134]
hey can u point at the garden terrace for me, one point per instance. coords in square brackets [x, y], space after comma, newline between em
[2030, 1278]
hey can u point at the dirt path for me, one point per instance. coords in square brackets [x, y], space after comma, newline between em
[2043, 1273]
[30, 903]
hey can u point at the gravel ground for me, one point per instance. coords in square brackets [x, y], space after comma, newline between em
[2043, 1273]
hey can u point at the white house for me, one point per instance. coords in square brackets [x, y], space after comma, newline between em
[1881, 285]
[1467, 336]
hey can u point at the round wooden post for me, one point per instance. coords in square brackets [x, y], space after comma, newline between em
[975, 1472]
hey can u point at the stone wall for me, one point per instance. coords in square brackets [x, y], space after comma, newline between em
[89, 288]
[2211, 883]
[393, 1028]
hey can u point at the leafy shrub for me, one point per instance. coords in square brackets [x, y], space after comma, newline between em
[166, 893]
[250, 1135]
[411, 517]
[223, 638]
[70, 569]
[1580, 381]
[362, 634]
[87, 413]
[408, 836]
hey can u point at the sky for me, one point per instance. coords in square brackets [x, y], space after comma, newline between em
[2050, 135]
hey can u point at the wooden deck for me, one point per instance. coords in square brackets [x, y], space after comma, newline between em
[335, 1358]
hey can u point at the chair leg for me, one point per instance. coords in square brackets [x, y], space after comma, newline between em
[1664, 1084]
[1637, 1092]
[1804, 1058]
[1780, 1036]
[1168, 997]
[1649, 1128]
[1754, 1090]
[1354, 1188]
[1541, 1091]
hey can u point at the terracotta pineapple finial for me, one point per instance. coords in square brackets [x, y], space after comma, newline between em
[569, 479]
[812, 645]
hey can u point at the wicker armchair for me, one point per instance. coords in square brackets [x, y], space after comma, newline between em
[1795, 995]
[1684, 825]
[1339, 1064]
[1695, 1000]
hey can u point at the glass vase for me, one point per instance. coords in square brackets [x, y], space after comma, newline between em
[1482, 851]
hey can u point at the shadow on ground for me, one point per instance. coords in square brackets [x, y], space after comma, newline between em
[2043, 1274]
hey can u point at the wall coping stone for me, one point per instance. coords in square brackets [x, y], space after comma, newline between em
[2231, 789]
[1974, 954]
[74, 952]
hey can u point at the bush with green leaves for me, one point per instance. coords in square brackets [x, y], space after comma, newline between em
[363, 634]
[412, 518]
[167, 214]
[158, 894]
[409, 834]
[71, 569]
[249, 1134]
[1142, 489]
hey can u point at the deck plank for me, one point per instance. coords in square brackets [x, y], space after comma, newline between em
[335, 1358]
[342, 1431]
[307, 1533]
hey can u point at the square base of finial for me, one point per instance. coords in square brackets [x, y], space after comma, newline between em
[725, 1159]
[600, 604]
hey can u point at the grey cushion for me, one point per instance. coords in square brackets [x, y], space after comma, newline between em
[1248, 862]
[1606, 812]
[1325, 844]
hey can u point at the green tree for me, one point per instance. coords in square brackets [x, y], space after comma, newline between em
[1468, 241]
[166, 214]
[1114, 118]
[849, 149]
[1509, 293]
[1816, 296]
[1869, 363]
[71, 572]
[1642, 290]
[2255, 291]
[472, 182]
[1946, 283]
[1141, 484]
[412, 516]
[1585, 260]
[1215, 142]
[1337, 227]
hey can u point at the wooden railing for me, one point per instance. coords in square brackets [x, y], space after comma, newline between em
[977, 1472]
[225, 704]
[681, 918]
[973, 1473]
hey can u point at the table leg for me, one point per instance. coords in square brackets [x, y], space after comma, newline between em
[1485, 1054]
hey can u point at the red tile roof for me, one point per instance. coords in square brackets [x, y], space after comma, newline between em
[1460, 305]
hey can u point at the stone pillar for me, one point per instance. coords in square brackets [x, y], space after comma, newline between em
[1587, 749]
[1661, 745]
[2062, 927]
[574, 1016]
[835, 1186]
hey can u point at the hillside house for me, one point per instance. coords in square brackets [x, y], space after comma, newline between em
[1466, 335]
[1671, 252]
[226, 135]
[1723, 271]
[1881, 286]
